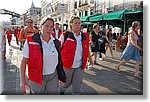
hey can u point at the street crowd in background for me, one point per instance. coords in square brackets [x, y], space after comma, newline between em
[57, 58]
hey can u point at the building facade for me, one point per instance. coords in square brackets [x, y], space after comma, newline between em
[84, 7]
[51, 8]
[33, 13]
[22, 19]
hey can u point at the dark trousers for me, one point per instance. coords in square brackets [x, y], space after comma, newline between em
[102, 49]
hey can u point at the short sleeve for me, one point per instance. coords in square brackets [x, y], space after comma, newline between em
[61, 39]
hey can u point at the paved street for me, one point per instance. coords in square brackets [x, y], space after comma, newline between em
[100, 79]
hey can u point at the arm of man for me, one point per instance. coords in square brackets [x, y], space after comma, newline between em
[21, 34]
[22, 74]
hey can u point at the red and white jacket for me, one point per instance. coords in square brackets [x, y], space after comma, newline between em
[69, 47]
[35, 60]
[59, 33]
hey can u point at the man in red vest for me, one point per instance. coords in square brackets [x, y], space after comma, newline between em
[16, 33]
[9, 35]
[74, 52]
[57, 31]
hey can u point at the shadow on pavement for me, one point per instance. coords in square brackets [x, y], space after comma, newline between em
[10, 78]
[123, 83]
[117, 62]
[105, 81]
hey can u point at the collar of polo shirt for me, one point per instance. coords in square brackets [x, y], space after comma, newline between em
[51, 38]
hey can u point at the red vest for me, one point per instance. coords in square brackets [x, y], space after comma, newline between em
[59, 33]
[34, 61]
[69, 48]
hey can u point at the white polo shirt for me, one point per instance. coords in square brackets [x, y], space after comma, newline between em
[77, 62]
[50, 55]
[56, 32]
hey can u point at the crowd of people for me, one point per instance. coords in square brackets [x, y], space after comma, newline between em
[57, 59]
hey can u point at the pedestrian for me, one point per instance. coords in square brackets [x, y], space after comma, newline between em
[94, 42]
[119, 42]
[131, 51]
[74, 52]
[125, 40]
[28, 30]
[16, 31]
[41, 53]
[108, 42]
[9, 35]
[2, 43]
[102, 42]
[57, 31]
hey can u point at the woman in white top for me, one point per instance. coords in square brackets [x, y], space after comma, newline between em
[131, 51]
[44, 62]
[74, 52]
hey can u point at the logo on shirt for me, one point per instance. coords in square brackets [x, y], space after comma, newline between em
[70, 39]
[33, 43]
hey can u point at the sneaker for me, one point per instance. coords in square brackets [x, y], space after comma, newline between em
[100, 59]
[20, 49]
[89, 67]
[96, 63]
[62, 92]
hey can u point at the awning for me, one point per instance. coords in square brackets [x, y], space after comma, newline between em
[96, 18]
[86, 23]
[134, 15]
[117, 15]
[134, 11]
[86, 18]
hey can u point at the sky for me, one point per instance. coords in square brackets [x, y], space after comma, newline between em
[18, 6]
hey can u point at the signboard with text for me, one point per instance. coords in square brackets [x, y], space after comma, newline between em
[62, 8]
